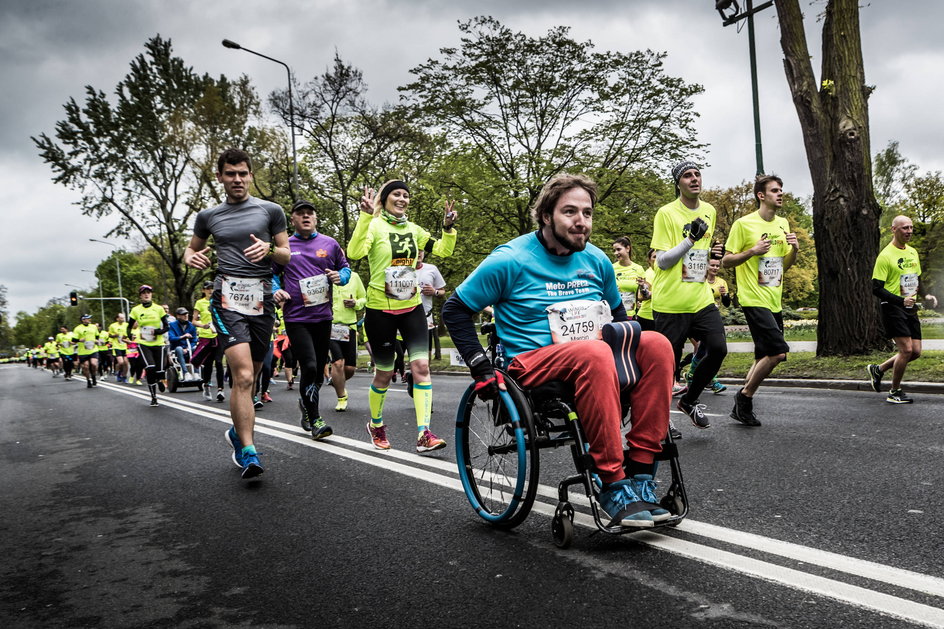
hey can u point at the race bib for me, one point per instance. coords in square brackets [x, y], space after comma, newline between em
[66, 345]
[89, 344]
[629, 301]
[695, 265]
[400, 282]
[147, 333]
[243, 295]
[909, 284]
[770, 272]
[578, 320]
[314, 290]
[340, 332]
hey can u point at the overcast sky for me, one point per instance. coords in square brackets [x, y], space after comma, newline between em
[51, 50]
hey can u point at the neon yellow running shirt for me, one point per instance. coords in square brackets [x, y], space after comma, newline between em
[682, 288]
[391, 253]
[760, 278]
[899, 269]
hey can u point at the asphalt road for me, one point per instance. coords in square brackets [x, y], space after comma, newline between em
[114, 514]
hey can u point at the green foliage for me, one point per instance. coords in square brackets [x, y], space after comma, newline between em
[903, 190]
[149, 152]
[352, 143]
[518, 110]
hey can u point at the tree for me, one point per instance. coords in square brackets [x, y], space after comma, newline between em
[347, 135]
[6, 332]
[521, 109]
[149, 153]
[834, 119]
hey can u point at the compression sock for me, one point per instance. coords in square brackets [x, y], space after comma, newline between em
[376, 399]
[423, 403]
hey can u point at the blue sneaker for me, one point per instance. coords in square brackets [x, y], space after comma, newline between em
[233, 440]
[320, 430]
[252, 467]
[645, 488]
[621, 503]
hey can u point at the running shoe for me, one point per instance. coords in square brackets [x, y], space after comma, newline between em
[675, 432]
[256, 402]
[320, 430]
[305, 421]
[88, 384]
[875, 377]
[342, 404]
[679, 389]
[717, 388]
[154, 401]
[408, 379]
[897, 396]
[220, 396]
[743, 410]
[288, 387]
[266, 397]
[251, 465]
[696, 413]
[206, 393]
[379, 436]
[620, 502]
[645, 488]
[161, 386]
[233, 440]
[428, 442]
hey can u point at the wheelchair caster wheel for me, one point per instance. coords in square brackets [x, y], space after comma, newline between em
[562, 526]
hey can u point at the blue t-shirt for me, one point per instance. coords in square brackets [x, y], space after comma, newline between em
[521, 278]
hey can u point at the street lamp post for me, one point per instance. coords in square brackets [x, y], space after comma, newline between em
[118, 269]
[101, 296]
[291, 107]
[731, 13]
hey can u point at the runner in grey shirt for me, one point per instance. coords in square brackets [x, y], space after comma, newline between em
[249, 234]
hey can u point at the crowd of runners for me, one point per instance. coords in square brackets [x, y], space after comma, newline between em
[291, 304]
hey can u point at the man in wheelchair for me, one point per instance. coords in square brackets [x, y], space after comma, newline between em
[181, 334]
[551, 292]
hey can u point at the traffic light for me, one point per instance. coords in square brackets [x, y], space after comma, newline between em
[73, 298]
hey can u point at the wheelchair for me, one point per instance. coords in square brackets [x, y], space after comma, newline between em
[182, 375]
[498, 445]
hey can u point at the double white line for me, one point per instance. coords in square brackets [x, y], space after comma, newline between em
[444, 474]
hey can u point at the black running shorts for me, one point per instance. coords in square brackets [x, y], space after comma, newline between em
[767, 331]
[899, 322]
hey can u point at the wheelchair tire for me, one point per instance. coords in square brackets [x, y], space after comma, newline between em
[497, 455]
[562, 526]
[172, 379]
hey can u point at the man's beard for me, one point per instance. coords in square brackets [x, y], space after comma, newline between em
[566, 240]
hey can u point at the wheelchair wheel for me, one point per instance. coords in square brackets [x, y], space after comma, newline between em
[497, 455]
[562, 526]
[172, 379]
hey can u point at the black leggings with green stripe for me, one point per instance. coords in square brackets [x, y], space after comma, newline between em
[382, 328]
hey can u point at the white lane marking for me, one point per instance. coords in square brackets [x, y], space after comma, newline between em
[837, 590]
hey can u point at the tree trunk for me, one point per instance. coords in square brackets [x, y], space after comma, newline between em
[834, 118]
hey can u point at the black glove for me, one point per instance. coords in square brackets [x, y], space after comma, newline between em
[486, 380]
[697, 229]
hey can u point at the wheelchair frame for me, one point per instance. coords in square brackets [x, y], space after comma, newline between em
[495, 435]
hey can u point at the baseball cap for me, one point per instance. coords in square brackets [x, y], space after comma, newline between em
[86, 316]
[208, 284]
[181, 311]
[302, 203]
[144, 287]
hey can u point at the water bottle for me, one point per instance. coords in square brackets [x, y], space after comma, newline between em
[499, 355]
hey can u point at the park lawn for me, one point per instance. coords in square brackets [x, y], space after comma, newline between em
[928, 368]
